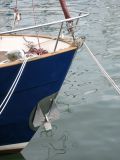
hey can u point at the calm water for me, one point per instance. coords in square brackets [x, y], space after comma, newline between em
[89, 127]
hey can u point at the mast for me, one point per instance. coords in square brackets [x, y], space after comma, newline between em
[65, 9]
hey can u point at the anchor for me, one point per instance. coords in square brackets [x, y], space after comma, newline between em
[45, 113]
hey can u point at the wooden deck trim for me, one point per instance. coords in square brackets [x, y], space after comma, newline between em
[41, 56]
[12, 148]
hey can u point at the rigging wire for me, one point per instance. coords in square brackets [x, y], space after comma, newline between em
[16, 3]
[35, 23]
[17, 15]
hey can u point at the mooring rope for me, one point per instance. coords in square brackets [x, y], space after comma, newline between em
[12, 88]
[104, 72]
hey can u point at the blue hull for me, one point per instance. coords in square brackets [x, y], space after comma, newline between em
[40, 79]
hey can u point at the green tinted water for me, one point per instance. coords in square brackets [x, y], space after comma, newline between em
[11, 157]
[89, 106]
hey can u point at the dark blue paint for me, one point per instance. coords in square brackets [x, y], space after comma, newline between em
[40, 78]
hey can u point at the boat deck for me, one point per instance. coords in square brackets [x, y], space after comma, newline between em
[11, 43]
[2, 56]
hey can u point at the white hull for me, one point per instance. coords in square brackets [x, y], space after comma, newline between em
[13, 147]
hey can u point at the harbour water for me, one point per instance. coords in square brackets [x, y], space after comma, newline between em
[89, 106]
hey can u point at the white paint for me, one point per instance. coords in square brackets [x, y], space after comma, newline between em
[13, 146]
[9, 43]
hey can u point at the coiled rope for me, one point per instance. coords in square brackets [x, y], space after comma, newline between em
[103, 70]
[12, 88]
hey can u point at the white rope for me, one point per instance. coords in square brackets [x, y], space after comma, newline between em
[103, 70]
[12, 88]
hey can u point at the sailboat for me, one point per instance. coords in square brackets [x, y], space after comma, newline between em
[32, 71]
